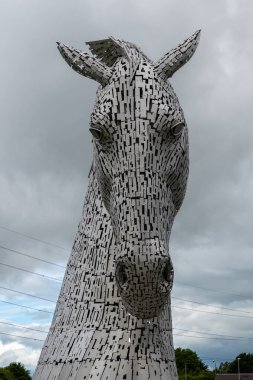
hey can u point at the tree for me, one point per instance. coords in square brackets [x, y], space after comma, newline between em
[18, 371]
[5, 374]
[245, 362]
[188, 360]
[223, 367]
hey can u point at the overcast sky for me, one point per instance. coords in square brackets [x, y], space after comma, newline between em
[45, 155]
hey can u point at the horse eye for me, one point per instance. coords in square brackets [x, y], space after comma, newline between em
[96, 133]
[177, 128]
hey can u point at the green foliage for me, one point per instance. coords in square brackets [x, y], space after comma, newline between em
[5, 374]
[18, 371]
[223, 367]
[245, 362]
[188, 361]
[185, 356]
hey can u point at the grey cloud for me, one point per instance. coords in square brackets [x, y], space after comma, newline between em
[45, 147]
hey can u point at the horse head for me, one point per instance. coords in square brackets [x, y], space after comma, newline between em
[141, 160]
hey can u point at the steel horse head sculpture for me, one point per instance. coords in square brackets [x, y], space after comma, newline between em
[139, 174]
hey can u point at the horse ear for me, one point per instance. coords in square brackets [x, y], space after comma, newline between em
[110, 49]
[176, 58]
[85, 64]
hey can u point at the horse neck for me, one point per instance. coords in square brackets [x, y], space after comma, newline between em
[92, 257]
[91, 326]
[92, 247]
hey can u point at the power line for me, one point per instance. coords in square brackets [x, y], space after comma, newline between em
[204, 337]
[33, 238]
[53, 278]
[26, 307]
[211, 312]
[201, 332]
[62, 266]
[23, 337]
[191, 331]
[220, 335]
[32, 257]
[215, 358]
[22, 327]
[176, 282]
[60, 247]
[218, 307]
[27, 294]
[210, 290]
[176, 307]
[29, 271]
[57, 279]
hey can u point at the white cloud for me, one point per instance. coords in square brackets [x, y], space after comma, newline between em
[18, 352]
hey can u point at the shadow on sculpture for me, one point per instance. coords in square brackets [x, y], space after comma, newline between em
[113, 315]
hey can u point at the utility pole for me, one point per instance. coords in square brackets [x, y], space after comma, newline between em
[215, 368]
[238, 362]
[185, 371]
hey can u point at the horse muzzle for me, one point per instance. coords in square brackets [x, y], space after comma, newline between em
[144, 281]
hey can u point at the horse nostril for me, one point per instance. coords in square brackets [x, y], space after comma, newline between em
[121, 274]
[167, 275]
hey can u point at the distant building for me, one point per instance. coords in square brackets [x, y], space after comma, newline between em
[234, 376]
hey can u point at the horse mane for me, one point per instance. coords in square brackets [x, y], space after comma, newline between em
[110, 49]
